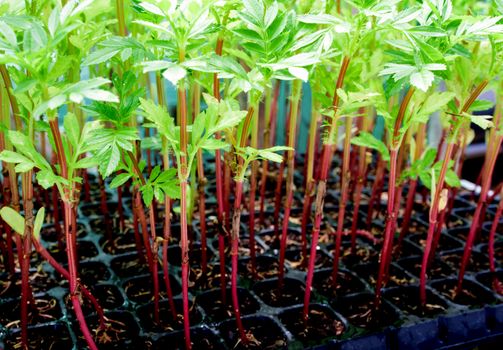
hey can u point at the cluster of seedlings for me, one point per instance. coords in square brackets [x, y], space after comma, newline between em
[186, 205]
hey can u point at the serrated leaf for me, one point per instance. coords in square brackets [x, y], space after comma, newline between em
[483, 121]
[47, 179]
[422, 79]
[174, 74]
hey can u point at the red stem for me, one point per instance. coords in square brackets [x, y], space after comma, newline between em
[408, 212]
[492, 234]
[251, 216]
[104, 210]
[385, 256]
[185, 262]
[277, 198]
[155, 274]
[486, 184]
[327, 154]
[345, 175]
[184, 244]
[220, 197]
[234, 255]
[70, 247]
[434, 210]
[376, 186]
[265, 163]
[62, 271]
[388, 234]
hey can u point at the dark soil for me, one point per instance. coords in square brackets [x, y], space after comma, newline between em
[364, 254]
[121, 331]
[128, 265]
[85, 250]
[263, 333]
[49, 234]
[437, 270]
[47, 310]
[209, 280]
[47, 337]
[295, 261]
[167, 324]
[202, 339]
[397, 276]
[360, 311]
[487, 279]
[292, 292]
[445, 242]
[407, 300]
[140, 289]
[267, 267]
[94, 209]
[214, 308]
[461, 233]
[293, 238]
[471, 295]
[121, 243]
[321, 325]
[476, 263]
[108, 296]
[347, 283]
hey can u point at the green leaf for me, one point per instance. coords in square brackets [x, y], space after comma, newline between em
[147, 193]
[13, 157]
[161, 118]
[422, 79]
[24, 167]
[13, 219]
[39, 221]
[152, 8]
[213, 144]
[111, 160]
[271, 155]
[427, 31]
[254, 8]
[72, 129]
[47, 179]
[86, 163]
[435, 102]
[155, 172]
[482, 121]
[365, 139]
[452, 178]
[100, 56]
[120, 180]
[229, 120]
[481, 105]
[299, 73]
[174, 74]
